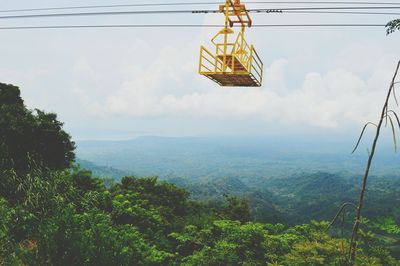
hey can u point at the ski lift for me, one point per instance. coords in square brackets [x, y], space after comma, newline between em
[235, 63]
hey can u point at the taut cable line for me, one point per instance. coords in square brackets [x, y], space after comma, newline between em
[193, 3]
[155, 26]
[158, 12]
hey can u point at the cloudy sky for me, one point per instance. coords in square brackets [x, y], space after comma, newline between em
[122, 83]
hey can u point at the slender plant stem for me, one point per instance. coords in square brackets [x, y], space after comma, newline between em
[354, 237]
[340, 211]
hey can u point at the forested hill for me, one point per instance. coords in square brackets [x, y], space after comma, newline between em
[302, 197]
[293, 199]
[55, 213]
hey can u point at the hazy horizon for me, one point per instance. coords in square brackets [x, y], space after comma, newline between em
[198, 157]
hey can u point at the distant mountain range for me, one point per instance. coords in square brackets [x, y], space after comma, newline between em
[200, 158]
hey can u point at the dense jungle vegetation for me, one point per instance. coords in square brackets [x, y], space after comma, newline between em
[54, 213]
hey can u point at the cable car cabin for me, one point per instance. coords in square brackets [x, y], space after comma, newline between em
[233, 62]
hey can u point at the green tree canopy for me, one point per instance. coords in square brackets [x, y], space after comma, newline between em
[30, 136]
[236, 209]
[392, 26]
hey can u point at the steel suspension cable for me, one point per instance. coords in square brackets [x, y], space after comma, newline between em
[149, 12]
[182, 26]
[193, 3]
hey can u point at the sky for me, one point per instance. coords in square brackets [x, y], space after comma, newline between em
[122, 83]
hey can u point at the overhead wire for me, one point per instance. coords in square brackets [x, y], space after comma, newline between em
[340, 12]
[193, 3]
[103, 6]
[322, 2]
[182, 26]
[327, 8]
[149, 12]
[288, 10]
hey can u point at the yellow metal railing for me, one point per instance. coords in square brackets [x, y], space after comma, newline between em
[256, 65]
[241, 51]
[220, 48]
[209, 63]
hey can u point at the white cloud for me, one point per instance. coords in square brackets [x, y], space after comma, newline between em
[327, 100]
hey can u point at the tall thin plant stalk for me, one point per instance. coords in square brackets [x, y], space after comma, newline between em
[384, 116]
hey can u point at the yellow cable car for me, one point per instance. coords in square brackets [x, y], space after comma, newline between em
[235, 63]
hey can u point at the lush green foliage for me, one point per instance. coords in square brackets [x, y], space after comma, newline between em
[72, 218]
[392, 26]
[387, 224]
[28, 136]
